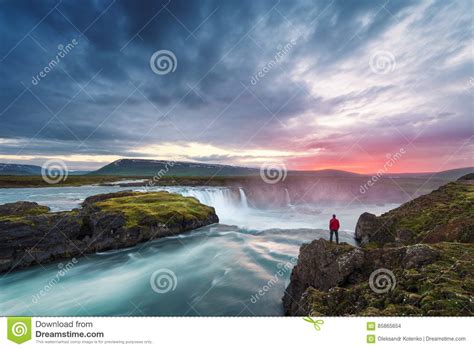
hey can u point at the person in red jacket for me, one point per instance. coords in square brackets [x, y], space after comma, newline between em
[334, 228]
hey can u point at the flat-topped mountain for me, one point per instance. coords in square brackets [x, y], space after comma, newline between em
[150, 168]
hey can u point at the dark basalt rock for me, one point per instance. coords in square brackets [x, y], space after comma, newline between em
[323, 266]
[370, 228]
[30, 234]
[21, 208]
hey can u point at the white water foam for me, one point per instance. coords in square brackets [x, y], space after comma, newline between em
[233, 208]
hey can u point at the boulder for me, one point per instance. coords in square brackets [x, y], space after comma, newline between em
[418, 255]
[370, 228]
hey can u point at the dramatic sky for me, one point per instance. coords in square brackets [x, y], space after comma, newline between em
[311, 84]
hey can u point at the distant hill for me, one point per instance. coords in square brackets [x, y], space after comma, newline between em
[77, 173]
[328, 173]
[148, 168]
[19, 170]
[140, 167]
[29, 170]
[454, 173]
[448, 175]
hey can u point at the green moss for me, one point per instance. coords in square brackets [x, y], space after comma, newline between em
[24, 215]
[442, 288]
[446, 214]
[156, 208]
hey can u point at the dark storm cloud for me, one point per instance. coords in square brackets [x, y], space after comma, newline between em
[103, 98]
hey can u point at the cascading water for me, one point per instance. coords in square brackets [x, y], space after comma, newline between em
[230, 207]
[243, 198]
[287, 198]
[219, 267]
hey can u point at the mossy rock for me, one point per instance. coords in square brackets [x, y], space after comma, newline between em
[444, 287]
[21, 211]
[157, 208]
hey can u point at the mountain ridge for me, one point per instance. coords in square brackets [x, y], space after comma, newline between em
[150, 168]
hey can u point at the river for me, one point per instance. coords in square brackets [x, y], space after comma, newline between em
[239, 267]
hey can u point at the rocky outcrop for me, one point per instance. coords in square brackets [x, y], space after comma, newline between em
[323, 266]
[414, 260]
[370, 228]
[446, 214]
[30, 234]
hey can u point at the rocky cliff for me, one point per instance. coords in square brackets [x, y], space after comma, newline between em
[30, 234]
[413, 260]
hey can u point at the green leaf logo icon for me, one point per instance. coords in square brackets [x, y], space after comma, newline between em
[316, 323]
[19, 329]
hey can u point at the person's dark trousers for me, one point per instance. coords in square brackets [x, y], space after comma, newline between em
[337, 236]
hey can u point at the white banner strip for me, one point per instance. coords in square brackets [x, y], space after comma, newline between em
[233, 332]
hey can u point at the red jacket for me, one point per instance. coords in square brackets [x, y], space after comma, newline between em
[334, 224]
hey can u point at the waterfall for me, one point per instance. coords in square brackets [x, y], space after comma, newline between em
[287, 198]
[227, 204]
[243, 199]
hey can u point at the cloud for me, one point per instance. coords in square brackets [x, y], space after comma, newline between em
[321, 100]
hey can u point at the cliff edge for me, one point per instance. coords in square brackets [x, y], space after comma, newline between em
[413, 260]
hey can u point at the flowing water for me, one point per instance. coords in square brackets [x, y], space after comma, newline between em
[240, 266]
